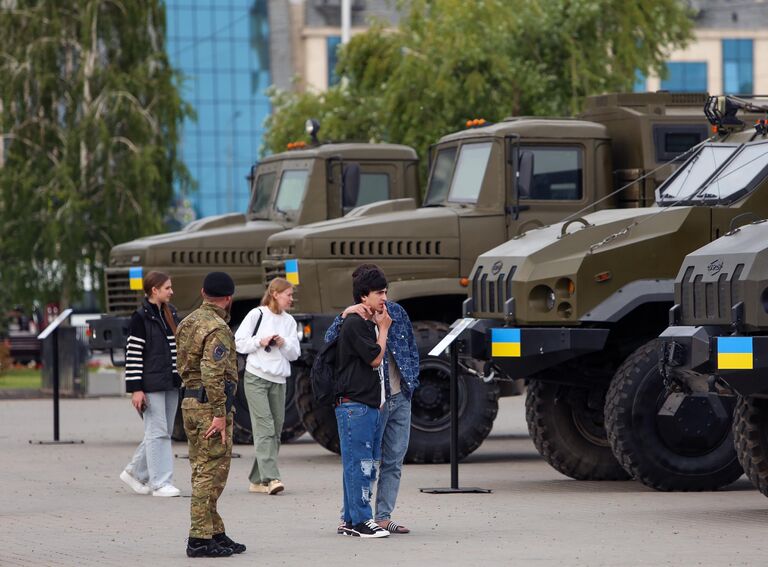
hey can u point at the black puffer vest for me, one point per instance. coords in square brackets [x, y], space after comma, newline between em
[158, 374]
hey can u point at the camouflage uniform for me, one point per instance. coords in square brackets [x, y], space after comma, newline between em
[206, 358]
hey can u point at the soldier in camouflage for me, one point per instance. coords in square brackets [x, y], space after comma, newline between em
[207, 364]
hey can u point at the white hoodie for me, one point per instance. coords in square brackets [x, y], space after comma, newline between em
[273, 365]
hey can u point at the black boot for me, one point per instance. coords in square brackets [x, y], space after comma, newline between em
[198, 547]
[225, 541]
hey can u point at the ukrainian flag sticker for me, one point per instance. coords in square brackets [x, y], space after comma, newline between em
[734, 353]
[136, 277]
[292, 271]
[505, 342]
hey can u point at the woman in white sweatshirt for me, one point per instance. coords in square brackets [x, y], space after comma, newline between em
[270, 350]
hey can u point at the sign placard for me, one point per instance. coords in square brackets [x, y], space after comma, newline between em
[451, 336]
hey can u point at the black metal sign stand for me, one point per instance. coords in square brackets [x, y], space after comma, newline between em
[457, 346]
[52, 331]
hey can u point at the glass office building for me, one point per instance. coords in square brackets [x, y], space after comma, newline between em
[222, 49]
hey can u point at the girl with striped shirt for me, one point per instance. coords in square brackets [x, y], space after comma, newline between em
[153, 382]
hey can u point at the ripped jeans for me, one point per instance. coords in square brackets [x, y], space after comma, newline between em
[360, 455]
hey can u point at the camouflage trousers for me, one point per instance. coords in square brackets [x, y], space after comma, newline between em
[209, 459]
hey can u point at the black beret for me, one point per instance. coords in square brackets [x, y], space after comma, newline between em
[218, 284]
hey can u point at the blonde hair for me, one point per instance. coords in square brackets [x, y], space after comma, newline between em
[277, 285]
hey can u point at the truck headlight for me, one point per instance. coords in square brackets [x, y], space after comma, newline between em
[542, 298]
[303, 331]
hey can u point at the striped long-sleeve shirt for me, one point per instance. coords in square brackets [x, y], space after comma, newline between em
[147, 365]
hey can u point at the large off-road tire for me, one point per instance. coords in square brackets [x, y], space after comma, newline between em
[750, 434]
[319, 420]
[667, 440]
[431, 411]
[292, 427]
[569, 433]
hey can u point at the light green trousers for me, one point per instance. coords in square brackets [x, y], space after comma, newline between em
[266, 404]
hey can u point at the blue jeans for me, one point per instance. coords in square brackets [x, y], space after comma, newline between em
[360, 453]
[152, 463]
[395, 434]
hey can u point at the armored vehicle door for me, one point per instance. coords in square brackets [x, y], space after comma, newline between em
[548, 180]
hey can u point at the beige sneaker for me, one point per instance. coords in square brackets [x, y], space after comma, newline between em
[262, 488]
[275, 486]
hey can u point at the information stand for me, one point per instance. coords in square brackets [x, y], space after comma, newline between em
[456, 345]
[51, 333]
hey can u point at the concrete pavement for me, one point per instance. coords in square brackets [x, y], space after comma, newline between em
[64, 505]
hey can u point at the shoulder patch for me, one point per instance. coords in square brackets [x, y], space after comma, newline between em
[219, 352]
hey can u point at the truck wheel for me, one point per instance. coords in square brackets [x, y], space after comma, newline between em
[430, 409]
[570, 434]
[319, 420]
[750, 433]
[242, 433]
[668, 440]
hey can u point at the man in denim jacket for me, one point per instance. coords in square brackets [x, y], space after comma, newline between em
[401, 378]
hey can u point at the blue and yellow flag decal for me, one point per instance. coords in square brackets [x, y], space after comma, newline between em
[734, 353]
[292, 271]
[136, 278]
[505, 342]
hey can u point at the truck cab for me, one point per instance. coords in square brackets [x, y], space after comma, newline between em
[487, 183]
[296, 187]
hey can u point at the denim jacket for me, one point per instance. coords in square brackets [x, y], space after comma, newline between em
[401, 343]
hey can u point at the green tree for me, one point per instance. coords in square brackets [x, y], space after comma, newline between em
[90, 113]
[452, 60]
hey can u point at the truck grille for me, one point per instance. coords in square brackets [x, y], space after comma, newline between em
[490, 292]
[273, 269]
[386, 248]
[121, 299]
[709, 303]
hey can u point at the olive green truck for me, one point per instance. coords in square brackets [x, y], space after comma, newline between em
[487, 185]
[300, 186]
[575, 308]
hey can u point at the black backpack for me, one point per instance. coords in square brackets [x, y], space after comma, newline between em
[324, 372]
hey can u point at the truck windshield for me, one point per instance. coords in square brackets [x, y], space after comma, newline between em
[470, 171]
[262, 195]
[290, 193]
[440, 180]
[690, 177]
[747, 168]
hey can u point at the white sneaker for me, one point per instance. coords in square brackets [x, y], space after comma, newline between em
[167, 491]
[136, 485]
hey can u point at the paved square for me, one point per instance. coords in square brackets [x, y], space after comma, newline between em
[64, 505]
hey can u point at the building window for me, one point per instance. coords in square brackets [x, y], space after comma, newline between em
[737, 66]
[686, 77]
[333, 43]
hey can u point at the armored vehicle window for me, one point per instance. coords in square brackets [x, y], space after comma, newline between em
[557, 174]
[441, 177]
[470, 171]
[672, 140]
[261, 195]
[290, 194]
[745, 170]
[694, 172]
[374, 187]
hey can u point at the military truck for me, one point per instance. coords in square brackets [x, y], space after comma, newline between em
[575, 308]
[487, 184]
[717, 343]
[302, 185]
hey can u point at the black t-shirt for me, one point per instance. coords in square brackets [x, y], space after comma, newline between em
[358, 380]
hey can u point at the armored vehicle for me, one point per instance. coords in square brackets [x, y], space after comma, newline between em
[717, 344]
[488, 183]
[303, 185]
[576, 307]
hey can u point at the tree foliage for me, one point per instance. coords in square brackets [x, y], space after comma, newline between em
[452, 60]
[90, 113]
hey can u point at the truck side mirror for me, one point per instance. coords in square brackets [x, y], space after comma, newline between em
[350, 186]
[525, 175]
